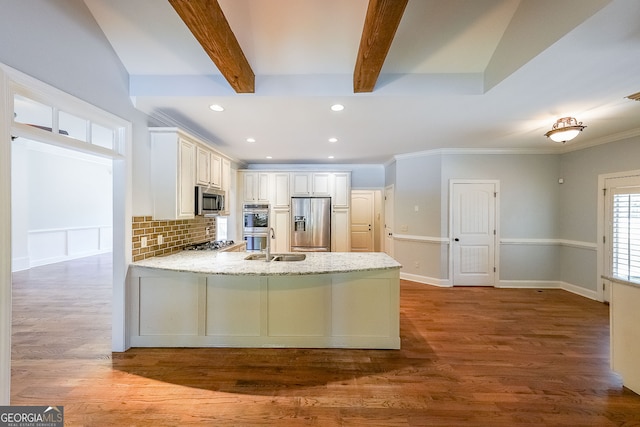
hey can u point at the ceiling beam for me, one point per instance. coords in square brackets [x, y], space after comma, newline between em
[380, 25]
[210, 27]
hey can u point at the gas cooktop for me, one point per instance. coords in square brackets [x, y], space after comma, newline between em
[209, 246]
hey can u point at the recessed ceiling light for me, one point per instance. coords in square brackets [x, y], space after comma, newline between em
[333, 139]
[269, 157]
[216, 107]
[337, 107]
[330, 157]
[251, 140]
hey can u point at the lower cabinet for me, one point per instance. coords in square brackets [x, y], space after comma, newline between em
[341, 230]
[280, 221]
[343, 310]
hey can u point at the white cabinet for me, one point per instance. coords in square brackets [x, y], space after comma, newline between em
[280, 221]
[311, 183]
[341, 230]
[203, 166]
[341, 197]
[322, 183]
[208, 168]
[255, 187]
[216, 171]
[173, 176]
[279, 187]
[300, 184]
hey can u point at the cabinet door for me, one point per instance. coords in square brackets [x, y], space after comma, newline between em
[321, 184]
[263, 187]
[249, 184]
[300, 184]
[216, 171]
[280, 222]
[342, 191]
[279, 184]
[341, 230]
[186, 186]
[203, 166]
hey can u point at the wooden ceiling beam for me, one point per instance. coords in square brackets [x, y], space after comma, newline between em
[380, 25]
[210, 27]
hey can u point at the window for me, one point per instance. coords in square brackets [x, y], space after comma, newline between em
[625, 234]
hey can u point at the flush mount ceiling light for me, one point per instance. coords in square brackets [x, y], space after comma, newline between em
[216, 107]
[337, 107]
[565, 129]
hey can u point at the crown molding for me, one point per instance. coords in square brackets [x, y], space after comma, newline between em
[600, 141]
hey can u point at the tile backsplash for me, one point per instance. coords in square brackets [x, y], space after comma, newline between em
[176, 234]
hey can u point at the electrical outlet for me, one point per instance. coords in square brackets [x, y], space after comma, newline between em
[416, 208]
[143, 241]
[160, 239]
[207, 231]
[416, 264]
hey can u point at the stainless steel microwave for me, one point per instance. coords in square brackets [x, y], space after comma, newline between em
[209, 202]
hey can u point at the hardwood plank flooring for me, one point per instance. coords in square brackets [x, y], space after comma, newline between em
[469, 357]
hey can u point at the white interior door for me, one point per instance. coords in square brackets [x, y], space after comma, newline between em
[473, 227]
[362, 220]
[388, 220]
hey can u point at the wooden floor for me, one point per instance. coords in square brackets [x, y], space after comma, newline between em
[469, 357]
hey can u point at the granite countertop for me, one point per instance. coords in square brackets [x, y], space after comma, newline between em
[234, 263]
[622, 281]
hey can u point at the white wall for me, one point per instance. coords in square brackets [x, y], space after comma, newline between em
[61, 204]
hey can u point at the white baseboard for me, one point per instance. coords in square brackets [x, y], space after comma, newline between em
[521, 284]
[530, 284]
[63, 258]
[19, 264]
[549, 284]
[443, 283]
[579, 290]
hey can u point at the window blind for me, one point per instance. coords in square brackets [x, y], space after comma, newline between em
[626, 236]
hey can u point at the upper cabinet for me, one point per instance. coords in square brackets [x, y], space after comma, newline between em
[277, 187]
[311, 183]
[341, 190]
[203, 166]
[179, 162]
[216, 171]
[208, 168]
[279, 197]
[255, 187]
[173, 175]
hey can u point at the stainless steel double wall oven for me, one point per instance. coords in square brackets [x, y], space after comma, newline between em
[256, 225]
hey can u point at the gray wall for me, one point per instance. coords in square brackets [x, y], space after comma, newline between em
[578, 203]
[549, 228]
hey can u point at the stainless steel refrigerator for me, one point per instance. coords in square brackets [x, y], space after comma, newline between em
[311, 224]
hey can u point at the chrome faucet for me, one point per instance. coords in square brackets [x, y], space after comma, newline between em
[271, 235]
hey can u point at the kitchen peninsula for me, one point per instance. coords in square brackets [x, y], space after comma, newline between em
[205, 299]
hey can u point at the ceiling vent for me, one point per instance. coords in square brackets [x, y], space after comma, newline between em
[635, 96]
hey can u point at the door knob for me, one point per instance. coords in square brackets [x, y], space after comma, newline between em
[456, 239]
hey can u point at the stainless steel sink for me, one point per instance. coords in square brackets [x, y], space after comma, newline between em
[289, 257]
[276, 257]
[257, 257]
